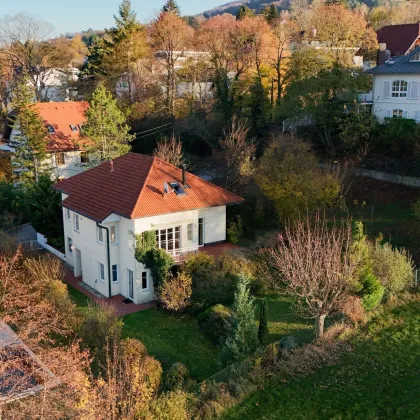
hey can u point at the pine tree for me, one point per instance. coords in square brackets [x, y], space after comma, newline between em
[243, 339]
[243, 12]
[171, 6]
[106, 130]
[30, 142]
[263, 325]
[125, 22]
[271, 13]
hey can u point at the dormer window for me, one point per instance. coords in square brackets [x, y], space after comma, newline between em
[416, 57]
[50, 129]
[399, 89]
[73, 127]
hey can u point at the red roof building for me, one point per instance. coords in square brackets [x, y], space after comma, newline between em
[133, 185]
[400, 39]
[63, 120]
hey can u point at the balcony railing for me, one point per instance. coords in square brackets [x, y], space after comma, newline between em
[182, 254]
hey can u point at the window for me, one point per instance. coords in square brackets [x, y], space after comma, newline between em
[169, 239]
[100, 235]
[50, 129]
[130, 284]
[70, 245]
[397, 113]
[76, 222]
[68, 214]
[101, 271]
[84, 158]
[399, 89]
[417, 116]
[144, 284]
[60, 159]
[73, 127]
[115, 273]
[201, 231]
[113, 233]
[190, 232]
[415, 57]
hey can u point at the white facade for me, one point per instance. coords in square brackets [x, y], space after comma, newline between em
[396, 95]
[87, 250]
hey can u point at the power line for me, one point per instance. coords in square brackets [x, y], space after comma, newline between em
[152, 129]
[151, 134]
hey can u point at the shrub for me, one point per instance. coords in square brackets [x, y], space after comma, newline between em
[270, 355]
[171, 406]
[176, 292]
[159, 262]
[263, 325]
[233, 263]
[353, 308]
[235, 230]
[372, 292]
[288, 343]
[394, 267]
[176, 377]
[216, 323]
[416, 209]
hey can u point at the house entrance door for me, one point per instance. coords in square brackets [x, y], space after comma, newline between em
[131, 284]
[78, 263]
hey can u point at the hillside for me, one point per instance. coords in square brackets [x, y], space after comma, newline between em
[233, 6]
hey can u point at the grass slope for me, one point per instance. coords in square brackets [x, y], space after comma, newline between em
[380, 379]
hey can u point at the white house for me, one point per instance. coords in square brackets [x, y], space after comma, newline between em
[105, 208]
[396, 87]
[65, 152]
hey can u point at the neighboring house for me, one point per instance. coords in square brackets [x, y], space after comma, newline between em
[64, 121]
[105, 208]
[396, 87]
[399, 39]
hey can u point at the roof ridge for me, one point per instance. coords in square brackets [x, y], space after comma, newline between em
[144, 184]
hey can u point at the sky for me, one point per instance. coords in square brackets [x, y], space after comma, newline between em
[77, 15]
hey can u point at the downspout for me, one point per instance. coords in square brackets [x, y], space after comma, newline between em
[109, 255]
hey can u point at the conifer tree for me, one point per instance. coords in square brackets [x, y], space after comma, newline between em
[106, 131]
[243, 12]
[171, 6]
[243, 339]
[263, 325]
[30, 142]
[271, 13]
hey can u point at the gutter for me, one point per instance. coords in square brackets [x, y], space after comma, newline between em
[108, 256]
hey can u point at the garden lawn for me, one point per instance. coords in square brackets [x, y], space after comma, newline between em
[174, 339]
[379, 379]
[78, 297]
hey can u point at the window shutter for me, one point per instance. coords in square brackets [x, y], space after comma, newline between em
[388, 113]
[414, 90]
[405, 114]
[387, 89]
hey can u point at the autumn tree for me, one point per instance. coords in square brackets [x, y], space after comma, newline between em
[170, 150]
[170, 35]
[288, 174]
[106, 131]
[312, 262]
[30, 140]
[171, 6]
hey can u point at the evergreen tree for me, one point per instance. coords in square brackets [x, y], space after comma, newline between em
[263, 325]
[271, 13]
[30, 142]
[171, 6]
[106, 130]
[243, 339]
[125, 22]
[243, 12]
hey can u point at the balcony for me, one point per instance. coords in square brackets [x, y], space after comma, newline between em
[365, 97]
[182, 254]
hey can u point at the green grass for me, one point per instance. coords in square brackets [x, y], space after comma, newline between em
[379, 379]
[78, 297]
[173, 339]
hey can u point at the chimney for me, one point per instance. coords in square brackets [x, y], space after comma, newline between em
[184, 174]
[381, 54]
[112, 165]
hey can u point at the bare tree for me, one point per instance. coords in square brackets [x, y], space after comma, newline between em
[237, 155]
[170, 151]
[311, 262]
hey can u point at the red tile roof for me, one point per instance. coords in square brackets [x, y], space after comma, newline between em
[132, 186]
[399, 38]
[61, 115]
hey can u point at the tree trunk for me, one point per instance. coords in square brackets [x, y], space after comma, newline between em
[319, 325]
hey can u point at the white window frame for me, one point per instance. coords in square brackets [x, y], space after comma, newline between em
[101, 271]
[397, 113]
[68, 213]
[165, 244]
[117, 271]
[128, 283]
[76, 222]
[415, 58]
[73, 127]
[84, 158]
[146, 277]
[100, 235]
[58, 160]
[51, 129]
[190, 231]
[70, 244]
[115, 241]
[417, 116]
[399, 89]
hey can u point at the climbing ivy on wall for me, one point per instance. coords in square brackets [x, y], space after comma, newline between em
[145, 242]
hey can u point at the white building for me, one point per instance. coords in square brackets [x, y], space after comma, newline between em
[63, 121]
[105, 208]
[396, 87]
